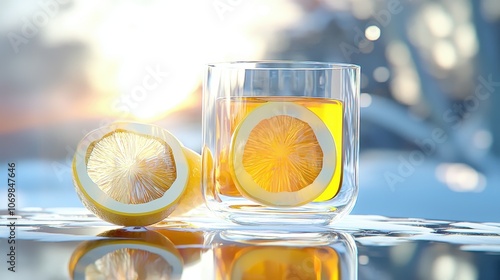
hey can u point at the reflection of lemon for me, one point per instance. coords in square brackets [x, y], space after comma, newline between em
[223, 176]
[189, 243]
[138, 254]
[135, 174]
[282, 155]
[208, 172]
[230, 114]
[285, 263]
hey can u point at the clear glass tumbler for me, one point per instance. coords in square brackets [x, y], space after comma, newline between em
[280, 141]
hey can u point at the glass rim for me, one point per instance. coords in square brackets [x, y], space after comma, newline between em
[283, 65]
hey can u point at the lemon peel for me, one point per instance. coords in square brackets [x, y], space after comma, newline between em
[134, 174]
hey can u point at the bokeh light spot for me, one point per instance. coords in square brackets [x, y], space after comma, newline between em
[381, 74]
[405, 86]
[482, 139]
[466, 40]
[365, 100]
[444, 54]
[372, 33]
[460, 177]
[397, 53]
[438, 21]
[363, 259]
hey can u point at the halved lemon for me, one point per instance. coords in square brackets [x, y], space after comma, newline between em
[135, 174]
[127, 254]
[276, 262]
[230, 112]
[223, 175]
[192, 196]
[282, 155]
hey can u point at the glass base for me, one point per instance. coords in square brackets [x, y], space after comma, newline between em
[281, 237]
[244, 212]
[272, 219]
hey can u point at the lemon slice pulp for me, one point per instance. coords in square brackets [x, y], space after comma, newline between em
[282, 155]
[143, 167]
[134, 174]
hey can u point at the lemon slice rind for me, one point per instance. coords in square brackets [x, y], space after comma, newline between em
[99, 252]
[244, 181]
[89, 190]
[88, 252]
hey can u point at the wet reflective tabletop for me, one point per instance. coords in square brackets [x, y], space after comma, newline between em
[66, 243]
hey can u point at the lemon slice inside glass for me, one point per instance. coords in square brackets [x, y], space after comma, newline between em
[282, 155]
[134, 174]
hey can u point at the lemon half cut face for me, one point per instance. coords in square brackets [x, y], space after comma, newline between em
[132, 174]
[282, 155]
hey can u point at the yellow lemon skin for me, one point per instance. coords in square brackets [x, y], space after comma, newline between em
[192, 196]
[190, 199]
[177, 200]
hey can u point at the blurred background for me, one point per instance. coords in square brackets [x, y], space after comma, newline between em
[430, 139]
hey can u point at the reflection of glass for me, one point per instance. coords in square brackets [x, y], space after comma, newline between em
[280, 141]
[244, 255]
[136, 254]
